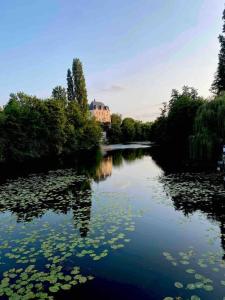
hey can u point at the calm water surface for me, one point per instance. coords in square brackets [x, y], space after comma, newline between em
[125, 229]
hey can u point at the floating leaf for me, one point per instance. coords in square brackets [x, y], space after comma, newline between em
[190, 271]
[178, 285]
[208, 288]
[54, 289]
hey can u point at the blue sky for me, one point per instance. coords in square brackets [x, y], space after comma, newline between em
[133, 51]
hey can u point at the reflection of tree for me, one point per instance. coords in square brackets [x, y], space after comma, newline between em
[168, 160]
[116, 158]
[63, 190]
[193, 192]
[74, 193]
[128, 155]
[82, 207]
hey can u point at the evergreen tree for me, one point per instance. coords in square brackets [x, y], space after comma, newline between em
[219, 82]
[80, 91]
[59, 93]
[70, 88]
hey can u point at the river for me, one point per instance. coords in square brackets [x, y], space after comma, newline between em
[123, 229]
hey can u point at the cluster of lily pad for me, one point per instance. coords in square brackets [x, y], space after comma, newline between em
[192, 191]
[197, 266]
[32, 196]
[41, 257]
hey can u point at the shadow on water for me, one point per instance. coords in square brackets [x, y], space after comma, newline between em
[192, 189]
[192, 192]
[173, 161]
[61, 190]
[67, 188]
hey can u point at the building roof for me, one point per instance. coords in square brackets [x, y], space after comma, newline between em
[96, 104]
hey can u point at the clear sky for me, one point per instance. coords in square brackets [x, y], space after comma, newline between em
[133, 51]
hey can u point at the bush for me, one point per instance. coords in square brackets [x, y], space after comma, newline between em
[32, 128]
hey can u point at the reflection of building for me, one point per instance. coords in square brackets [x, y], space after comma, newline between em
[105, 169]
[100, 111]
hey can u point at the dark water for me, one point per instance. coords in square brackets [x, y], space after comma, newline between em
[124, 229]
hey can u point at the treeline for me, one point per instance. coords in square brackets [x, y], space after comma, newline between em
[191, 127]
[127, 130]
[33, 128]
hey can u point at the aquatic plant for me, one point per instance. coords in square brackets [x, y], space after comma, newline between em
[39, 257]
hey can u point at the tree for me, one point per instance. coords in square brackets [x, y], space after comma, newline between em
[70, 88]
[32, 128]
[128, 129]
[114, 133]
[80, 92]
[209, 130]
[173, 128]
[218, 84]
[116, 119]
[59, 93]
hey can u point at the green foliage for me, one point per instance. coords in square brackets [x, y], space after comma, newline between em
[70, 89]
[59, 93]
[218, 85]
[32, 128]
[175, 124]
[127, 130]
[116, 119]
[181, 114]
[83, 132]
[209, 130]
[191, 126]
[115, 133]
[80, 92]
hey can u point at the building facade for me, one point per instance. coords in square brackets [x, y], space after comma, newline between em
[101, 112]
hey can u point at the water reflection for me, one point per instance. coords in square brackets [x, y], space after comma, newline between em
[70, 190]
[104, 169]
[193, 192]
[61, 191]
[115, 159]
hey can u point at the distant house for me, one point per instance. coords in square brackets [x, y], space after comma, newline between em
[101, 112]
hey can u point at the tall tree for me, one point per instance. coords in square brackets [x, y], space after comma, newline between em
[59, 93]
[219, 82]
[128, 129]
[70, 88]
[80, 91]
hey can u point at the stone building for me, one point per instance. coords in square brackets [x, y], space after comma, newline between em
[101, 112]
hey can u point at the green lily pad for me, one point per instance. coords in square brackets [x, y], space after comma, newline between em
[54, 289]
[208, 288]
[191, 286]
[190, 271]
[178, 285]
[65, 287]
